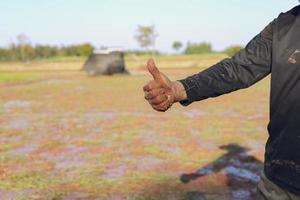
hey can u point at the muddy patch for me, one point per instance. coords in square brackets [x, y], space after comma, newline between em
[114, 172]
[25, 150]
[18, 124]
[8, 194]
[170, 150]
[169, 140]
[16, 104]
[81, 88]
[55, 81]
[143, 163]
[95, 131]
[259, 115]
[69, 152]
[257, 145]
[10, 139]
[112, 114]
[11, 195]
[230, 113]
[261, 129]
[242, 173]
[147, 133]
[196, 132]
[205, 144]
[75, 162]
[76, 195]
[194, 113]
[96, 115]
[149, 163]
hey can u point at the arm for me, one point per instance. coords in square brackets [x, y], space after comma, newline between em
[241, 71]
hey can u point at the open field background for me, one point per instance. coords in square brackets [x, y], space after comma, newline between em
[133, 62]
[66, 136]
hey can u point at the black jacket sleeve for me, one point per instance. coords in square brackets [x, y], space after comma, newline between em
[247, 67]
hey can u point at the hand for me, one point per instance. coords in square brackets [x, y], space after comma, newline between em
[158, 92]
[162, 93]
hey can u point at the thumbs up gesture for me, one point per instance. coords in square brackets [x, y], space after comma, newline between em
[161, 91]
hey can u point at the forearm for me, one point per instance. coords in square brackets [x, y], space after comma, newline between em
[241, 71]
[179, 91]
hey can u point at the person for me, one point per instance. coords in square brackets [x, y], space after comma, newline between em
[275, 51]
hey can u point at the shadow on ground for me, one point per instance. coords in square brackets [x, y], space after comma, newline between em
[242, 172]
[239, 170]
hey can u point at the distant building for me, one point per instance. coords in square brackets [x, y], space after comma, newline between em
[105, 62]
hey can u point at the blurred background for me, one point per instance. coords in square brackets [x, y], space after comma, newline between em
[73, 120]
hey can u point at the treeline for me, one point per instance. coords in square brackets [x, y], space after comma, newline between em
[204, 48]
[22, 50]
[190, 49]
[28, 52]
[143, 53]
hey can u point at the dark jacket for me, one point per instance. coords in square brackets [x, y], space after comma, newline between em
[275, 50]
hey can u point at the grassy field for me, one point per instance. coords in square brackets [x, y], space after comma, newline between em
[132, 62]
[66, 136]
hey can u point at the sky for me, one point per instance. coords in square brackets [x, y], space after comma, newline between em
[113, 23]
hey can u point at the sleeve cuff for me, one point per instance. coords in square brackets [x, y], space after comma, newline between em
[188, 84]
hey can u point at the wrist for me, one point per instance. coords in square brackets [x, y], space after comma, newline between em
[178, 91]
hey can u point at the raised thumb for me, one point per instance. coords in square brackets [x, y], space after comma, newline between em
[153, 70]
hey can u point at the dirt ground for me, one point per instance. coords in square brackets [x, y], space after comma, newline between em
[67, 136]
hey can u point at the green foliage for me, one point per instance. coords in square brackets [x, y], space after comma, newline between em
[143, 53]
[198, 48]
[85, 49]
[232, 50]
[177, 45]
[45, 51]
[24, 52]
[77, 50]
[4, 54]
[27, 52]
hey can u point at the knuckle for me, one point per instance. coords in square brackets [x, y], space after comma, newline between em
[150, 95]
[161, 99]
[158, 100]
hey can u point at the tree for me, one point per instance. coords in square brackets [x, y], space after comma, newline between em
[177, 45]
[146, 36]
[23, 42]
[45, 51]
[232, 50]
[85, 49]
[77, 50]
[4, 54]
[198, 48]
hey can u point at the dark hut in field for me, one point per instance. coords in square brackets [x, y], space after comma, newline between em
[106, 62]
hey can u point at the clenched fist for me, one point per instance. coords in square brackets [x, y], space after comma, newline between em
[161, 92]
